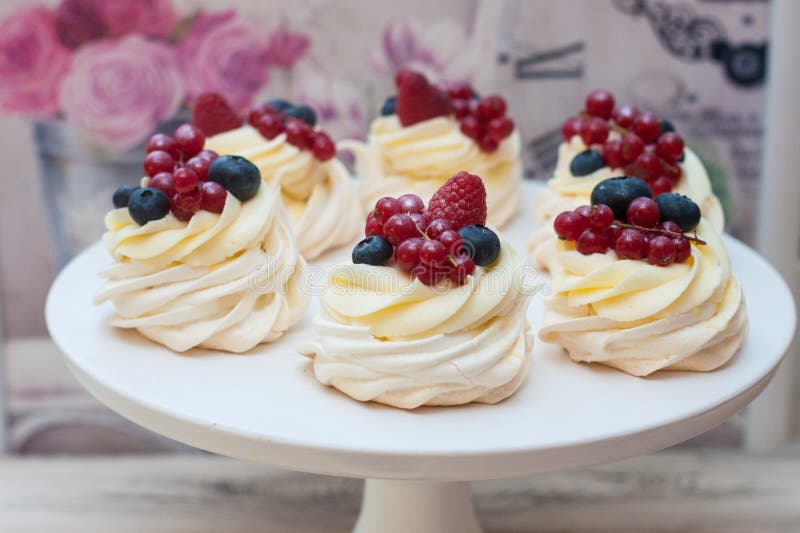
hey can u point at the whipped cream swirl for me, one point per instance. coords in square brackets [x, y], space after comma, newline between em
[320, 197]
[384, 336]
[219, 281]
[420, 158]
[642, 318]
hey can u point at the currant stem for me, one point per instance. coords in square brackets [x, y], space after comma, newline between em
[661, 231]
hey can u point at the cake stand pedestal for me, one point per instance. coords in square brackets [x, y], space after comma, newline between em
[267, 407]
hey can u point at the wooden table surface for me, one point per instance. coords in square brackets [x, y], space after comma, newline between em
[671, 491]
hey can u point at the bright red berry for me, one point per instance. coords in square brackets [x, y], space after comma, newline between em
[499, 128]
[213, 114]
[430, 274]
[644, 212]
[600, 103]
[420, 220]
[569, 225]
[660, 251]
[647, 126]
[671, 172]
[488, 144]
[461, 200]
[163, 182]
[464, 266]
[625, 115]
[461, 108]
[214, 196]
[399, 228]
[630, 244]
[591, 242]
[672, 226]
[669, 146]
[473, 127]
[612, 154]
[491, 106]
[211, 155]
[269, 126]
[190, 140]
[660, 185]
[373, 226]
[573, 126]
[595, 131]
[647, 166]
[258, 111]
[158, 161]
[297, 133]
[432, 253]
[184, 180]
[437, 227]
[459, 91]
[452, 241]
[601, 217]
[632, 146]
[406, 255]
[185, 205]
[323, 146]
[418, 100]
[613, 232]
[411, 203]
[199, 165]
[584, 210]
[165, 143]
[386, 207]
[683, 249]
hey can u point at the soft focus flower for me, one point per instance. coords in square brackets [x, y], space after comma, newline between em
[32, 62]
[338, 102]
[118, 91]
[287, 48]
[440, 50]
[154, 18]
[79, 21]
[224, 54]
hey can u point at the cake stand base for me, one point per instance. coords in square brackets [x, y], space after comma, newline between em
[418, 506]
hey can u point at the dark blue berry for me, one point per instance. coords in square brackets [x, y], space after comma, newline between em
[123, 195]
[304, 113]
[238, 175]
[617, 193]
[389, 107]
[666, 126]
[586, 162]
[146, 204]
[279, 105]
[679, 209]
[480, 243]
[682, 157]
[374, 250]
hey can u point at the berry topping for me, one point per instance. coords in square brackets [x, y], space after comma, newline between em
[399, 228]
[122, 195]
[238, 175]
[586, 162]
[631, 244]
[683, 249]
[213, 114]
[298, 133]
[165, 143]
[214, 196]
[432, 253]
[268, 125]
[185, 205]
[600, 103]
[418, 100]
[200, 165]
[669, 146]
[592, 242]
[480, 243]
[499, 128]
[594, 131]
[680, 209]
[452, 242]
[147, 204]
[600, 217]
[411, 203]
[631, 147]
[488, 144]
[374, 250]
[389, 107]
[373, 226]
[386, 207]
[158, 161]
[463, 266]
[646, 126]
[492, 106]
[406, 255]
[624, 116]
[184, 180]
[461, 200]
[660, 186]
[322, 146]
[666, 126]
[190, 140]
[163, 182]
[437, 227]
[644, 212]
[660, 250]
[570, 224]
[571, 127]
[618, 193]
[612, 154]
[279, 104]
[304, 113]
[473, 127]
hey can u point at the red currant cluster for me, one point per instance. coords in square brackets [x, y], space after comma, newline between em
[644, 146]
[642, 236]
[482, 119]
[178, 166]
[271, 122]
[430, 250]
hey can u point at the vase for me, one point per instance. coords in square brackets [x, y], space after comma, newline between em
[78, 180]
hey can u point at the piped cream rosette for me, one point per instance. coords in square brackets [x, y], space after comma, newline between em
[641, 318]
[320, 197]
[566, 192]
[418, 159]
[383, 336]
[227, 281]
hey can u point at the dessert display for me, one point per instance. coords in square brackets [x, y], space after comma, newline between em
[204, 254]
[427, 133]
[291, 151]
[642, 284]
[605, 141]
[432, 309]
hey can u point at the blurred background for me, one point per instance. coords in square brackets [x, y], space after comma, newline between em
[84, 82]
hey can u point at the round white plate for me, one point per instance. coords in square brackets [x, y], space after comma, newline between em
[266, 406]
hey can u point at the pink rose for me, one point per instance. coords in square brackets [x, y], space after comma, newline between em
[154, 18]
[287, 48]
[32, 62]
[118, 91]
[224, 54]
[79, 21]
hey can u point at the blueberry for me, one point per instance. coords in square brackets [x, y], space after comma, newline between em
[682, 157]
[374, 250]
[304, 113]
[279, 105]
[617, 193]
[123, 195]
[148, 204]
[666, 126]
[389, 106]
[238, 175]
[586, 162]
[680, 209]
[480, 243]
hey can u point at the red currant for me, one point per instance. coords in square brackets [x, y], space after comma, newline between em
[643, 212]
[185, 205]
[323, 146]
[500, 128]
[459, 91]
[632, 147]
[184, 180]
[429, 274]
[600, 103]
[613, 232]
[660, 185]
[165, 143]
[647, 166]
[406, 255]
[190, 140]
[386, 207]
[211, 155]
[683, 249]
[669, 146]
[584, 210]
[437, 227]
[660, 251]
[461, 108]
[491, 106]
[373, 226]
[297, 133]
[612, 154]
[464, 266]
[158, 161]
[199, 165]
[411, 203]
[269, 126]
[569, 225]
[420, 220]
[452, 241]
[488, 144]
[592, 242]
[572, 127]
[646, 126]
[595, 131]
[669, 225]
[163, 182]
[473, 127]
[600, 217]
[399, 228]
[432, 253]
[630, 244]
[214, 196]
[671, 172]
[624, 115]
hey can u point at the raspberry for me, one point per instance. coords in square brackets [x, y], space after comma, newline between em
[418, 100]
[461, 200]
[214, 115]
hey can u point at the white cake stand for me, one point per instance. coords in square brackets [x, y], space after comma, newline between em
[267, 407]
